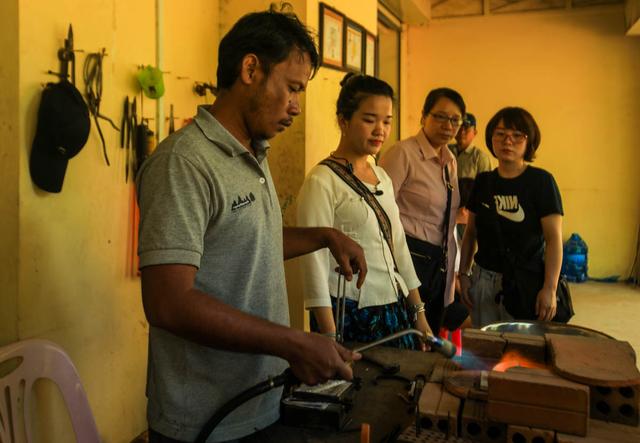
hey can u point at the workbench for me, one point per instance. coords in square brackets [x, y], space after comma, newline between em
[377, 403]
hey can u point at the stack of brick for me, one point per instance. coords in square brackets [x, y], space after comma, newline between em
[523, 404]
[537, 400]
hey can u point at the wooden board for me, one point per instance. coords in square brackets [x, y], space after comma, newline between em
[593, 361]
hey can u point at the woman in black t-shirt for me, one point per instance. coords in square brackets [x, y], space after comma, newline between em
[515, 216]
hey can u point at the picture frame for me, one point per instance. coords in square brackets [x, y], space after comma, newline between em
[331, 37]
[353, 47]
[370, 54]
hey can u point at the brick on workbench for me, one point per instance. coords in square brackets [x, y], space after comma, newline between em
[475, 425]
[532, 347]
[428, 405]
[483, 344]
[527, 434]
[603, 432]
[619, 405]
[531, 388]
[568, 422]
[447, 414]
[538, 401]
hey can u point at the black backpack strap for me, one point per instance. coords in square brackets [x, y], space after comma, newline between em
[447, 218]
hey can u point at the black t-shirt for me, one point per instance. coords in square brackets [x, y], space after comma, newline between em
[517, 204]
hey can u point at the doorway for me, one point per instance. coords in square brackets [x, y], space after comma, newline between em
[389, 68]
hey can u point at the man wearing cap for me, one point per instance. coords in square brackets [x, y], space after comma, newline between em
[212, 245]
[471, 161]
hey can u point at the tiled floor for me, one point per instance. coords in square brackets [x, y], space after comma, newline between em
[613, 308]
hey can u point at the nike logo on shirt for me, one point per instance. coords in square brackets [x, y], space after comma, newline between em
[507, 206]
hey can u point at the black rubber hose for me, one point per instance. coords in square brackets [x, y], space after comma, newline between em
[239, 399]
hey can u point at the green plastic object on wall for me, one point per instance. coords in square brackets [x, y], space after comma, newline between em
[151, 82]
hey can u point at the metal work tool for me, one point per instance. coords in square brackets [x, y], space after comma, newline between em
[124, 122]
[341, 303]
[66, 57]
[172, 127]
[444, 347]
[418, 386]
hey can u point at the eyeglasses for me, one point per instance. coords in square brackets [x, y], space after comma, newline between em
[443, 118]
[516, 136]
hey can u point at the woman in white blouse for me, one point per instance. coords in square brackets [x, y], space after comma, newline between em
[362, 205]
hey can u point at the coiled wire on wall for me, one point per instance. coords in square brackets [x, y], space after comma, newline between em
[92, 74]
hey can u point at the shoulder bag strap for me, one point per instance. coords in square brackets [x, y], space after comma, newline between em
[356, 184]
[447, 216]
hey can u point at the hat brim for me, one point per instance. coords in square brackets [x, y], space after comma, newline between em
[47, 168]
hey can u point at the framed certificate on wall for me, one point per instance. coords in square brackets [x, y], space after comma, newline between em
[331, 37]
[370, 65]
[353, 42]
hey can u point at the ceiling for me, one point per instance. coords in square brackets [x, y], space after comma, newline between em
[458, 8]
[418, 11]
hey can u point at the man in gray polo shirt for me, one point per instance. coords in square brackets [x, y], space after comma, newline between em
[212, 245]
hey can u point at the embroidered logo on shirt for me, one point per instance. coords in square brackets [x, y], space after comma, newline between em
[508, 207]
[241, 202]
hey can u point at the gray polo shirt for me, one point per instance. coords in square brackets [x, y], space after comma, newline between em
[206, 201]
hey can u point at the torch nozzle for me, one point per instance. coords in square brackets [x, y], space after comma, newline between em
[444, 347]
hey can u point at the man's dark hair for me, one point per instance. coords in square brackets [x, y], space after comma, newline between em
[271, 36]
[517, 119]
[357, 87]
[436, 94]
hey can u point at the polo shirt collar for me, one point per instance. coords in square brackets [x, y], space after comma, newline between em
[467, 151]
[223, 139]
[428, 152]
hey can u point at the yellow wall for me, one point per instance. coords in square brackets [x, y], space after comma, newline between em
[578, 75]
[322, 132]
[70, 259]
[9, 157]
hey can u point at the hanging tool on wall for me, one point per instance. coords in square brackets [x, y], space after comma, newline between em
[127, 134]
[200, 89]
[92, 74]
[66, 56]
[145, 142]
[172, 127]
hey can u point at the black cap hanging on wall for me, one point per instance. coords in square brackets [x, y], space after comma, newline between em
[62, 131]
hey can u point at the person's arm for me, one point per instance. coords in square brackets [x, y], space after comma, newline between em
[172, 303]
[395, 164]
[420, 323]
[348, 253]
[325, 320]
[467, 250]
[546, 302]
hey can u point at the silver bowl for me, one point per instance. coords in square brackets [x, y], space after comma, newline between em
[540, 328]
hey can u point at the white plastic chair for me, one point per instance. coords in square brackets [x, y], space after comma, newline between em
[41, 359]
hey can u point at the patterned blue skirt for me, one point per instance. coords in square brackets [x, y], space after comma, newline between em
[375, 322]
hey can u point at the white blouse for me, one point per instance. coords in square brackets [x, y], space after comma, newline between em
[325, 200]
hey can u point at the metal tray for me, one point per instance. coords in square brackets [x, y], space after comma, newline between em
[540, 328]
